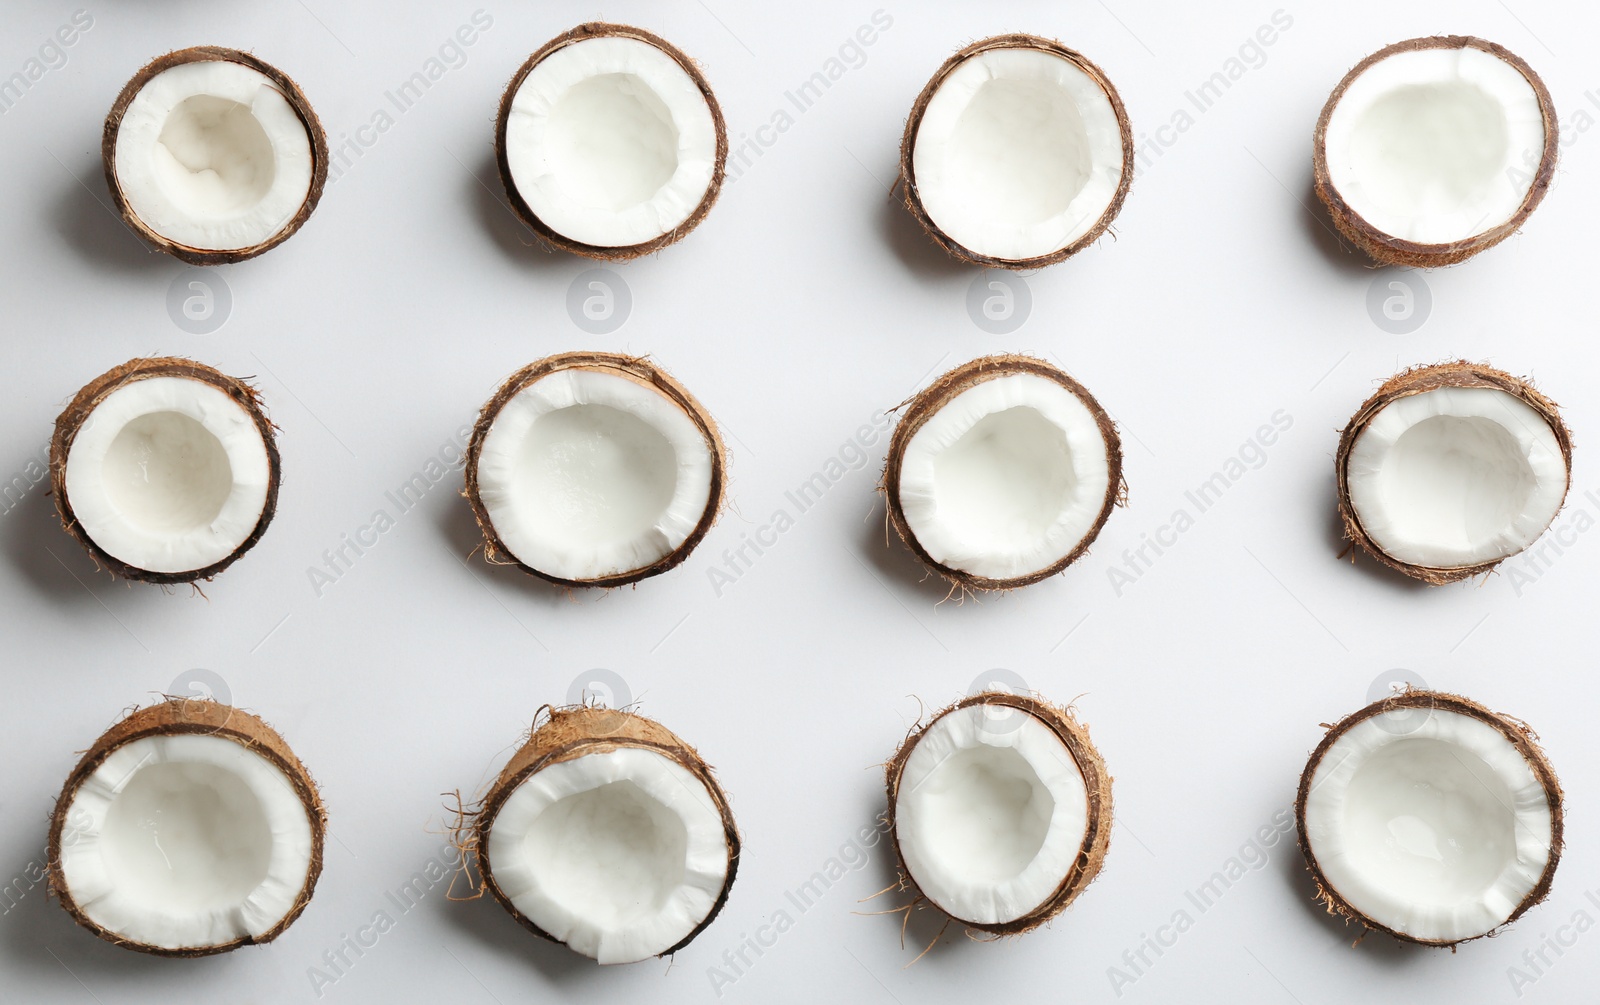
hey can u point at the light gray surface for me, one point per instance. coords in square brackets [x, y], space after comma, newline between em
[802, 306]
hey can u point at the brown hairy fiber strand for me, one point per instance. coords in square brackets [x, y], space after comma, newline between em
[93, 393]
[582, 33]
[926, 404]
[1416, 380]
[1097, 781]
[908, 143]
[291, 93]
[1514, 730]
[169, 717]
[1390, 250]
[575, 731]
[639, 370]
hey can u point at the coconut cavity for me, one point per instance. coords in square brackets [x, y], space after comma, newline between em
[1017, 154]
[165, 470]
[188, 829]
[1000, 809]
[1002, 472]
[214, 156]
[610, 142]
[1431, 818]
[1450, 469]
[1433, 149]
[593, 469]
[608, 834]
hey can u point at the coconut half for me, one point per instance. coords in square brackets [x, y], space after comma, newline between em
[1429, 817]
[1002, 472]
[594, 469]
[1450, 469]
[189, 828]
[1000, 809]
[607, 833]
[610, 142]
[1433, 149]
[1017, 154]
[165, 470]
[214, 156]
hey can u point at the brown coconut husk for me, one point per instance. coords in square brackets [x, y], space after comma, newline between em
[83, 405]
[1390, 250]
[639, 370]
[584, 33]
[1097, 780]
[1514, 730]
[925, 405]
[908, 142]
[575, 731]
[290, 91]
[172, 716]
[1417, 380]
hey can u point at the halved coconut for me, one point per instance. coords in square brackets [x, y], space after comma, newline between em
[1429, 817]
[189, 828]
[214, 156]
[1450, 469]
[593, 469]
[1002, 472]
[1000, 828]
[608, 834]
[610, 142]
[1433, 149]
[165, 469]
[1017, 154]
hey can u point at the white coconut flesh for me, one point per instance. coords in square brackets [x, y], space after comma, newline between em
[610, 142]
[620, 854]
[1437, 830]
[1428, 145]
[989, 822]
[1456, 477]
[587, 475]
[186, 841]
[1006, 478]
[211, 155]
[1018, 154]
[168, 474]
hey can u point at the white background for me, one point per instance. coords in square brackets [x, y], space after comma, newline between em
[804, 303]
